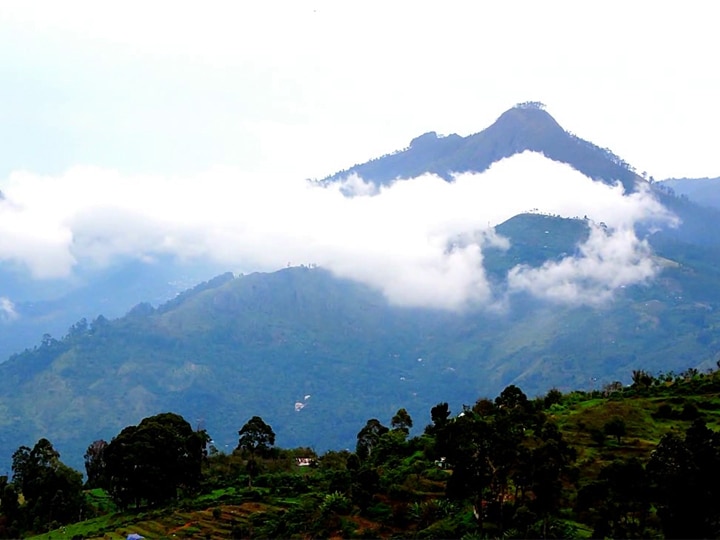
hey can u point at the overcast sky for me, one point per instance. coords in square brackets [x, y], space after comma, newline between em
[311, 87]
[147, 127]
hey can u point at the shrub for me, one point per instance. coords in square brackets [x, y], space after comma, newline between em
[336, 503]
[379, 512]
[598, 436]
[689, 412]
[664, 411]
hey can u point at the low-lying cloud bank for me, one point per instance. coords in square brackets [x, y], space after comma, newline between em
[608, 260]
[420, 240]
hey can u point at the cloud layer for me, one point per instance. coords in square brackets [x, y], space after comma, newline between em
[419, 240]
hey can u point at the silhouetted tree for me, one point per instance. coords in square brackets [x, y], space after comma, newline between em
[151, 461]
[615, 428]
[552, 461]
[440, 413]
[620, 498]
[469, 446]
[95, 464]
[641, 379]
[402, 421]
[51, 490]
[369, 437]
[685, 475]
[256, 438]
[552, 397]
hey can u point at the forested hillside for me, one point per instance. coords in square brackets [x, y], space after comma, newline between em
[308, 349]
[632, 461]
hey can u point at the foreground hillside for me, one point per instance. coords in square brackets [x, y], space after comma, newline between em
[632, 461]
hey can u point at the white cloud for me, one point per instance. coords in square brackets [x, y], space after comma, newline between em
[34, 238]
[7, 310]
[420, 241]
[608, 260]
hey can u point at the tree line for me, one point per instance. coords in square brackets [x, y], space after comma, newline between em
[500, 467]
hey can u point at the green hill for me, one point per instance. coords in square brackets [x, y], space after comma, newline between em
[309, 351]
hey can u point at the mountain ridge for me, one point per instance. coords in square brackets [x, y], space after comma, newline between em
[262, 343]
[524, 127]
[266, 342]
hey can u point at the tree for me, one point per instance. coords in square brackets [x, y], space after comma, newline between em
[469, 443]
[615, 428]
[598, 436]
[402, 421]
[623, 500]
[368, 438]
[52, 491]
[95, 464]
[552, 461]
[685, 478]
[439, 415]
[552, 397]
[484, 407]
[512, 399]
[256, 437]
[641, 379]
[150, 462]
[9, 509]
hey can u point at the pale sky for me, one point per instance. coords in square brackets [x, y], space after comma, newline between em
[312, 87]
[146, 128]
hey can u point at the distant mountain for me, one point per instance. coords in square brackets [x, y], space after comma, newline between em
[316, 355]
[31, 308]
[701, 191]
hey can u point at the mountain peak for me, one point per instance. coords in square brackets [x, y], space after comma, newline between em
[528, 116]
[526, 126]
[426, 138]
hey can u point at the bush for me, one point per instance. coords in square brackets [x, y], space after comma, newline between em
[689, 412]
[665, 411]
[399, 492]
[553, 397]
[336, 503]
[379, 512]
[598, 436]
[437, 474]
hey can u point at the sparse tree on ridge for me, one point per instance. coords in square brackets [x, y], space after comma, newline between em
[616, 428]
[256, 437]
[95, 464]
[402, 421]
[150, 462]
[368, 438]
